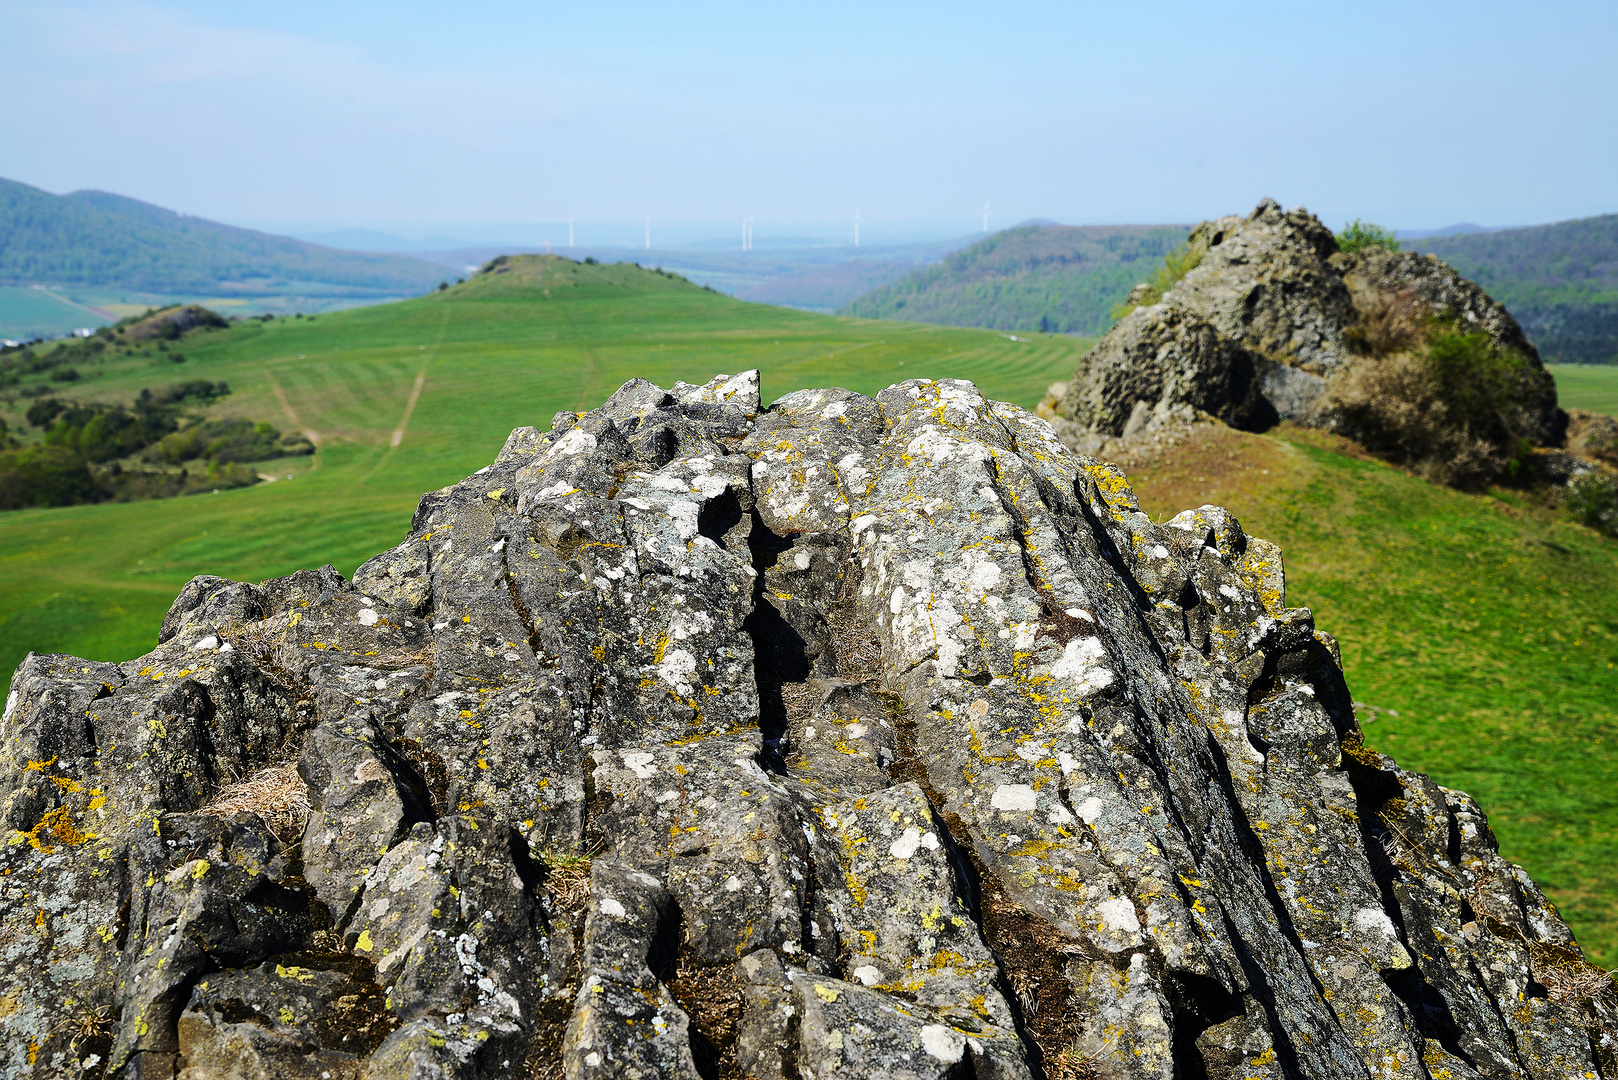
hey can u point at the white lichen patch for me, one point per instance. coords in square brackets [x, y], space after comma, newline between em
[1014, 797]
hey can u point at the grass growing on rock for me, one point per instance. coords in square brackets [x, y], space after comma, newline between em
[1479, 631]
[276, 793]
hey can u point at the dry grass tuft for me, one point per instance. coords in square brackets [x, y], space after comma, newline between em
[1567, 976]
[712, 998]
[276, 793]
[1073, 1064]
[859, 656]
[567, 878]
[1390, 323]
[88, 1025]
[799, 700]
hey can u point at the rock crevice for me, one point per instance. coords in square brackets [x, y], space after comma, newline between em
[875, 737]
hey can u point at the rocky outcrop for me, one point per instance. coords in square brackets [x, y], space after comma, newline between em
[849, 737]
[1256, 332]
[173, 322]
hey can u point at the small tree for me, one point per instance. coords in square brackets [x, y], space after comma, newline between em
[1360, 235]
[1593, 500]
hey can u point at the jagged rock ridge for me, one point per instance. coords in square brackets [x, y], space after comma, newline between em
[851, 737]
[1258, 330]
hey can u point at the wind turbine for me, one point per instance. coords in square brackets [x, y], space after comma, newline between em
[569, 232]
[747, 233]
[856, 226]
[985, 215]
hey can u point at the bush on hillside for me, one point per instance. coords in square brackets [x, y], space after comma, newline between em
[1592, 499]
[80, 438]
[229, 440]
[1360, 235]
[128, 485]
[1449, 410]
[1389, 323]
[44, 475]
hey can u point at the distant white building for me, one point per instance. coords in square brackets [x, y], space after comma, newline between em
[7, 343]
[83, 331]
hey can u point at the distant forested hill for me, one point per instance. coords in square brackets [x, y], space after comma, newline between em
[1560, 281]
[93, 238]
[1055, 278]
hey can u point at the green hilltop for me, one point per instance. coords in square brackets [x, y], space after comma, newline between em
[1489, 625]
[91, 238]
[1560, 281]
[1061, 279]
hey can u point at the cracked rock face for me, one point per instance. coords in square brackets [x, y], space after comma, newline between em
[1257, 330]
[850, 737]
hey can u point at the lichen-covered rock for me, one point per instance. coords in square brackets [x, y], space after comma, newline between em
[866, 737]
[1257, 330]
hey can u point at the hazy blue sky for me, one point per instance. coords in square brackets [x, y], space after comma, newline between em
[436, 114]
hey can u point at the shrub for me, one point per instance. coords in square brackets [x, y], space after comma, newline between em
[228, 440]
[44, 476]
[1360, 235]
[1389, 323]
[1593, 500]
[1450, 410]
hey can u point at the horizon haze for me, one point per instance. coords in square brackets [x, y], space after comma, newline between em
[306, 119]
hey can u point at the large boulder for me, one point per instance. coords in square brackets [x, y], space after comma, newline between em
[1270, 315]
[849, 737]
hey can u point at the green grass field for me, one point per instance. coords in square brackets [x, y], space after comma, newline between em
[492, 354]
[1489, 627]
[1587, 386]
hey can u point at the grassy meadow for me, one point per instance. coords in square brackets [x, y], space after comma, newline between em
[1587, 386]
[1488, 625]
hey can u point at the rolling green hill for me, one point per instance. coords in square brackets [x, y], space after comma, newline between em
[1054, 278]
[1560, 281]
[94, 238]
[1488, 625]
[502, 350]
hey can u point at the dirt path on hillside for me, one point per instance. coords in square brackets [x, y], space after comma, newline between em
[410, 403]
[292, 416]
[590, 388]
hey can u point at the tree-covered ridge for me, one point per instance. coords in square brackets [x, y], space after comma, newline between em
[1560, 281]
[94, 238]
[1054, 278]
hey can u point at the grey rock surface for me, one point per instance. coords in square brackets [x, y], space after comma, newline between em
[1256, 331]
[862, 737]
